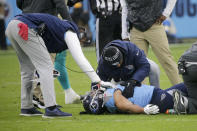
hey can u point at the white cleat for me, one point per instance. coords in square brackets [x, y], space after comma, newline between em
[71, 96]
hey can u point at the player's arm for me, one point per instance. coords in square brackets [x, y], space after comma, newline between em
[169, 7]
[167, 11]
[125, 105]
[74, 47]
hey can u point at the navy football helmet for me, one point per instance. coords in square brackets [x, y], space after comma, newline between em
[93, 103]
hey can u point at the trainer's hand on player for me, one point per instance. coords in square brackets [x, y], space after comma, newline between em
[102, 85]
[107, 84]
[151, 109]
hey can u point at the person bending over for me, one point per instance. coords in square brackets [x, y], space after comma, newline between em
[34, 36]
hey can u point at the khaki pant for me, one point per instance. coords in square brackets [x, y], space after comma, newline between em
[157, 39]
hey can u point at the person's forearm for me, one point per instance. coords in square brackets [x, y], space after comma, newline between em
[74, 47]
[169, 7]
[125, 105]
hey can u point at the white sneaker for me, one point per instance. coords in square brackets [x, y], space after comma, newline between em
[71, 96]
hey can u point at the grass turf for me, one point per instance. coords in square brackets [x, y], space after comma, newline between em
[10, 102]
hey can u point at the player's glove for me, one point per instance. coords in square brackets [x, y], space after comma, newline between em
[129, 87]
[102, 85]
[151, 109]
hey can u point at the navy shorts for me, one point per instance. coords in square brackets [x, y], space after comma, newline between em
[163, 98]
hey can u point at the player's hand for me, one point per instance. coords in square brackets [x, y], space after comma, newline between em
[151, 109]
[161, 19]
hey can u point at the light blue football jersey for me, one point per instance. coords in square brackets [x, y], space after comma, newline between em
[141, 97]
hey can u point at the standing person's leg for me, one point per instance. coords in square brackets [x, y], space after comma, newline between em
[156, 36]
[104, 29]
[60, 65]
[91, 24]
[37, 93]
[27, 71]
[117, 26]
[137, 38]
[154, 74]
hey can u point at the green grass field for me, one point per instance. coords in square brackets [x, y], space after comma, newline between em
[10, 103]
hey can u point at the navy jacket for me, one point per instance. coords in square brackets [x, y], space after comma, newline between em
[53, 35]
[135, 65]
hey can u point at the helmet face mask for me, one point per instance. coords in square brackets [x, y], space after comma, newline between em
[93, 103]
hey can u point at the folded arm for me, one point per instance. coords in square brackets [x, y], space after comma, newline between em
[125, 105]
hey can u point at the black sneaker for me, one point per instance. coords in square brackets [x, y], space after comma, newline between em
[30, 112]
[56, 112]
[37, 103]
[180, 104]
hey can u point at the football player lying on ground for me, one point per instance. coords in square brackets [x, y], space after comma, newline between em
[145, 99]
[34, 36]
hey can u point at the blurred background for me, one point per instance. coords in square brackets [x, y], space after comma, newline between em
[181, 27]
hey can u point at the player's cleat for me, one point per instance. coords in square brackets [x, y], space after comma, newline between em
[71, 96]
[180, 102]
[56, 112]
[37, 103]
[30, 112]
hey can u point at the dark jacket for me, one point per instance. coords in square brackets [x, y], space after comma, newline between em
[142, 14]
[54, 31]
[53, 7]
[135, 65]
